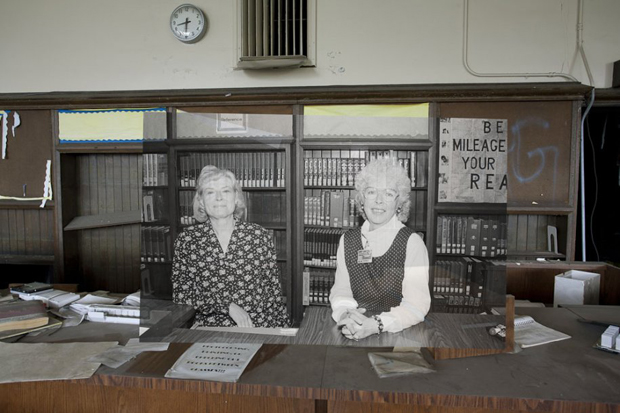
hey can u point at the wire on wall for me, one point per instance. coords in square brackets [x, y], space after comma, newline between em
[582, 53]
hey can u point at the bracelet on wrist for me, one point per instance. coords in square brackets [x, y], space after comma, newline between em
[379, 323]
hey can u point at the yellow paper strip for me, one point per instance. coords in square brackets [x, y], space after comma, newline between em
[419, 110]
[100, 126]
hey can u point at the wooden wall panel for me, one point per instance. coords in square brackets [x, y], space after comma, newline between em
[26, 231]
[528, 233]
[108, 258]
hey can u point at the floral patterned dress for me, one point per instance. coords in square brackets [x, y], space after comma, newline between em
[209, 279]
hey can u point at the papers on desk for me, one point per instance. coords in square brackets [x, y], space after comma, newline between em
[36, 362]
[529, 333]
[116, 356]
[213, 361]
[83, 304]
[132, 299]
[52, 298]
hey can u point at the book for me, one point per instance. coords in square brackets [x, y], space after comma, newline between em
[529, 333]
[51, 322]
[16, 315]
[29, 288]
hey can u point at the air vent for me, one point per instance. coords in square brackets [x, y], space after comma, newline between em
[274, 33]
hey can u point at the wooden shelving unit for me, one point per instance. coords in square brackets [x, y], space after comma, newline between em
[531, 204]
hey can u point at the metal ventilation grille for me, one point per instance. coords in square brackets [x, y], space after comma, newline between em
[273, 33]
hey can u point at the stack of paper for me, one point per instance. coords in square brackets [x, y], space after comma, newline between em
[83, 304]
[53, 298]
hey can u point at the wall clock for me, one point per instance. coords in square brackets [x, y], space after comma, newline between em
[188, 23]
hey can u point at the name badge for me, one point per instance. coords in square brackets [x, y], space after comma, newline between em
[364, 256]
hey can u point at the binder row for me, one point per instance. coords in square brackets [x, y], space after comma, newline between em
[335, 209]
[478, 236]
[154, 205]
[468, 285]
[279, 242]
[154, 169]
[252, 169]
[266, 208]
[320, 246]
[317, 285]
[155, 244]
[458, 285]
[339, 167]
[186, 208]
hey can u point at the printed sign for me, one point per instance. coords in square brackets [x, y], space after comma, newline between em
[472, 160]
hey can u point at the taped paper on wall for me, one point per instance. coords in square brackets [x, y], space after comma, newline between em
[5, 131]
[16, 122]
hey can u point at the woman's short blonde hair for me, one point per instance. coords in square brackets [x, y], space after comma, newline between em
[212, 173]
[391, 171]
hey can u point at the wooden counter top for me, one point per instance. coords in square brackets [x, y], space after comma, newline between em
[569, 375]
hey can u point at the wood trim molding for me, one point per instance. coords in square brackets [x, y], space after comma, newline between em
[297, 95]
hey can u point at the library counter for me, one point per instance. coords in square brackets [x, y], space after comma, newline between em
[568, 375]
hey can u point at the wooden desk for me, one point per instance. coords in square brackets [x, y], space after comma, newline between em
[317, 328]
[566, 376]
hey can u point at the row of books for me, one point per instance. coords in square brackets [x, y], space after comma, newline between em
[156, 245]
[266, 208]
[317, 285]
[339, 167]
[469, 235]
[154, 169]
[279, 242]
[321, 246]
[335, 209]
[154, 205]
[468, 285]
[252, 169]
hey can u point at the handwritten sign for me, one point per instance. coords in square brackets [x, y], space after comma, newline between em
[472, 160]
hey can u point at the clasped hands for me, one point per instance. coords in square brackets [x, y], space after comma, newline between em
[355, 325]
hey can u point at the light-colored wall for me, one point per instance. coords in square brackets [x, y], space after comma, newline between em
[92, 45]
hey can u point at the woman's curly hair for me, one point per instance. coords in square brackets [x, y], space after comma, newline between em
[391, 171]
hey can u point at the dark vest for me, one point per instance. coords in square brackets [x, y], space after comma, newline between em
[377, 286]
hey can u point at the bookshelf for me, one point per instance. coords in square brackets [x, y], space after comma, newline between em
[256, 147]
[155, 229]
[530, 146]
[327, 165]
[545, 118]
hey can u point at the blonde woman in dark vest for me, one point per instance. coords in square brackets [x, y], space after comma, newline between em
[381, 280]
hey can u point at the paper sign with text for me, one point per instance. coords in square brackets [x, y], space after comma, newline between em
[472, 160]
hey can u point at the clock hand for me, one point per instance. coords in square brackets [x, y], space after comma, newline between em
[186, 22]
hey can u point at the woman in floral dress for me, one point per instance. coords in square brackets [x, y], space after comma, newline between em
[224, 267]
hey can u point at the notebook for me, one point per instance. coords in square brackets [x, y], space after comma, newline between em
[529, 333]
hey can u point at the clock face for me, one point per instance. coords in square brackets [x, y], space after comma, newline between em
[187, 23]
